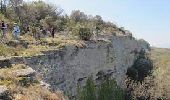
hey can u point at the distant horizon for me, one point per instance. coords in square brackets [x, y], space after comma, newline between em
[162, 46]
[148, 20]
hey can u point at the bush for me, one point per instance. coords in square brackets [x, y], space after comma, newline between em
[88, 92]
[132, 73]
[107, 90]
[141, 67]
[110, 91]
[85, 34]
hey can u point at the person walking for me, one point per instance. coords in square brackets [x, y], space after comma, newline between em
[16, 31]
[4, 29]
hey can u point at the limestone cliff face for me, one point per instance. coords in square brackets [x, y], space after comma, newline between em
[64, 69]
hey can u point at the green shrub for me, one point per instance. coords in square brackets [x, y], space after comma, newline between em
[85, 34]
[141, 68]
[132, 73]
[75, 31]
[26, 81]
[107, 90]
[110, 91]
[88, 92]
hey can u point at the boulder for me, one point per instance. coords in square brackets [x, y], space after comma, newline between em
[43, 84]
[28, 72]
[25, 76]
[16, 43]
[3, 90]
[104, 74]
[3, 93]
[5, 63]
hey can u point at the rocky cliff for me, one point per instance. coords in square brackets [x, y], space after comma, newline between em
[64, 69]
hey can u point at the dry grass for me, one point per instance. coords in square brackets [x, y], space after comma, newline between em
[50, 44]
[157, 85]
[8, 76]
[8, 51]
[36, 47]
[6, 71]
[161, 59]
[34, 91]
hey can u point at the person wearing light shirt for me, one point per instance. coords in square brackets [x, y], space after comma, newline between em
[16, 31]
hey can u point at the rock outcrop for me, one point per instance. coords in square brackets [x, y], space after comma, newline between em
[27, 72]
[5, 63]
[20, 82]
[3, 93]
[64, 69]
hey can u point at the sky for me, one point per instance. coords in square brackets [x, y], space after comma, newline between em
[146, 19]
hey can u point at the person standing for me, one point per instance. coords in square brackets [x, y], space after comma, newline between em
[4, 29]
[34, 32]
[43, 31]
[38, 33]
[16, 31]
[52, 32]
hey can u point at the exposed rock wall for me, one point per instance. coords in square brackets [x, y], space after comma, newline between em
[64, 69]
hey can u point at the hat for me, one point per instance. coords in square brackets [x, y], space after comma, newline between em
[15, 23]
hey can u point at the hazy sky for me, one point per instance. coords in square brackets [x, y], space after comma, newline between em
[147, 19]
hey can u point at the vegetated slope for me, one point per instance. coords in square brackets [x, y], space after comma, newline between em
[20, 82]
[64, 68]
[161, 59]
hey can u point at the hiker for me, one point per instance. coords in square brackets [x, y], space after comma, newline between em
[97, 30]
[52, 32]
[26, 29]
[43, 31]
[38, 32]
[48, 33]
[16, 31]
[34, 31]
[4, 29]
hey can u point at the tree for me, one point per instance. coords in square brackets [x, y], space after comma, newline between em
[78, 16]
[89, 91]
[107, 90]
[30, 14]
[3, 4]
[98, 20]
[16, 4]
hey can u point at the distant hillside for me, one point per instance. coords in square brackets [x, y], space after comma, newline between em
[161, 59]
[164, 45]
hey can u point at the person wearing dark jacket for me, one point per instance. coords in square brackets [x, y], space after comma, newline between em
[4, 29]
[53, 32]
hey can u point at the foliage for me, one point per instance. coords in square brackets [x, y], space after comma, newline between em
[89, 91]
[78, 16]
[107, 90]
[141, 68]
[140, 91]
[110, 91]
[51, 22]
[7, 21]
[39, 13]
[152, 86]
[85, 34]
[30, 14]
